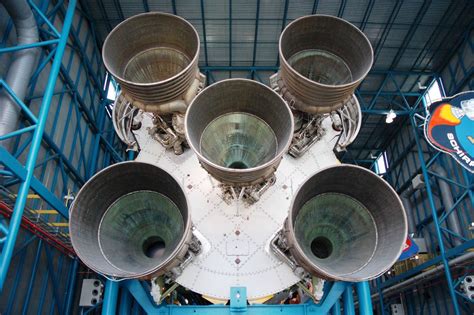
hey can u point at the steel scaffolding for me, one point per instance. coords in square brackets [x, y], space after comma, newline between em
[33, 196]
[98, 147]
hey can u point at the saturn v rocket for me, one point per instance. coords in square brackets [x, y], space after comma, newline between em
[237, 183]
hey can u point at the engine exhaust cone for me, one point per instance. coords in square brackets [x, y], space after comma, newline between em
[153, 56]
[130, 220]
[239, 130]
[347, 224]
[323, 60]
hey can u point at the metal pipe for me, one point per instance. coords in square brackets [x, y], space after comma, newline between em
[71, 287]
[439, 235]
[34, 270]
[15, 221]
[408, 205]
[447, 199]
[336, 309]
[365, 301]
[125, 301]
[348, 299]
[22, 65]
[109, 305]
[423, 276]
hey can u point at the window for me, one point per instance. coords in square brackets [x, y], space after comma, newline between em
[112, 92]
[381, 164]
[433, 94]
[112, 89]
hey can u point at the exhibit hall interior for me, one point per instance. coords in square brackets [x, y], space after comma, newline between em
[255, 157]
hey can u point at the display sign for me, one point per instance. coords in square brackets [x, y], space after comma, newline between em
[450, 127]
[409, 250]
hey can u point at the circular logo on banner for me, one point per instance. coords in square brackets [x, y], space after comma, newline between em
[449, 128]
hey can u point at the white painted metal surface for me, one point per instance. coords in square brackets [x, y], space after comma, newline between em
[236, 236]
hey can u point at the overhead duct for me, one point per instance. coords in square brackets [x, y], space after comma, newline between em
[323, 59]
[239, 130]
[23, 63]
[131, 220]
[345, 223]
[154, 57]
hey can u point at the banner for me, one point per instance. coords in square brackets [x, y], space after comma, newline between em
[449, 128]
[410, 249]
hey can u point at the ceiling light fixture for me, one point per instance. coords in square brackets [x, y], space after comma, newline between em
[391, 115]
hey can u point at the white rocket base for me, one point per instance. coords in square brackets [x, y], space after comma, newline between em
[236, 236]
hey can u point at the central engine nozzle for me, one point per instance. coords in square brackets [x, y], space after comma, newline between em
[154, 57]
[131, 220]
[346, 224]
[240, 130]
[323, 60]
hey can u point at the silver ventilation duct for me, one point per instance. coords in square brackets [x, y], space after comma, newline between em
[23, 63]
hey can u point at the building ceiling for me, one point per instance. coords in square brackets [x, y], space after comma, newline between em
[412, 39]
[406, 35]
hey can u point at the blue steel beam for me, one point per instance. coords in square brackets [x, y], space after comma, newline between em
[71, 286]
[16, 282]
[411, 31]
[255, 36]
[387, 29]
[44, 19]
[78, 98]
[348, 299]
[26, 302]
[342, 7]
[109, 304]
[11, 163]
[146, 7]
[424, 170]
[315, 7]
[367, 13]
[103, 12]
[283, 25]
[336, 309]
[173, 5]
[238, 304]
[428, 48]
[230, 33]
[204, 36]
[54, 280]
[15, 221]
[118, 7]
[365, 300]
[125, 302]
